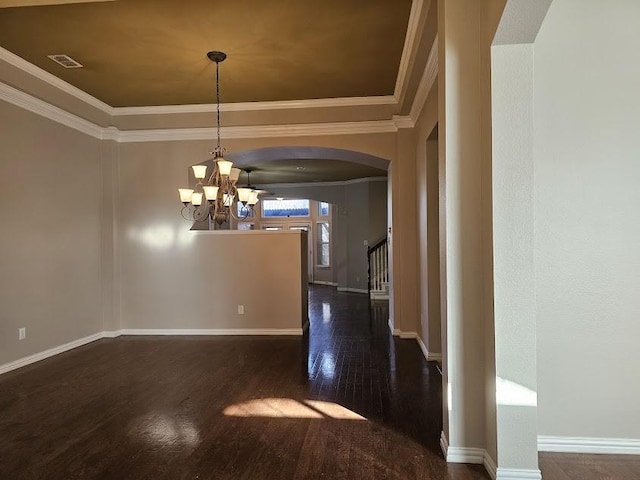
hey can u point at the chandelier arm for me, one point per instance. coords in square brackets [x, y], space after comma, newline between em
[190, 217]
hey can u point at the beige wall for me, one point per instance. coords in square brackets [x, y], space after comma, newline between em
[321, 274]
[460, 144]
[427, 220]
[465, 33]
[587, 226]
[51, 234]
[198, 280]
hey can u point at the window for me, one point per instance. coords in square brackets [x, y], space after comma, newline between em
[245, 226]
[324, 245]
[244, 211]
[323, 209]
[285, 208]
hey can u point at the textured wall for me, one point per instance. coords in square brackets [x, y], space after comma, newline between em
[51, 234]
[587, 228]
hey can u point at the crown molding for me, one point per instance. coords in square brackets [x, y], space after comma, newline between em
[270, 186]
[260, 131]
[44, 109]
[403, 121]
[39, 73]
[426, 82]
[258, 106]
[407, 50]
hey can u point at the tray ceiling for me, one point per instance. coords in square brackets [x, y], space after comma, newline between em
[153, 52]
[309, 170]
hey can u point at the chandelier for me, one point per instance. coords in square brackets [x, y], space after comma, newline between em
[214, 195]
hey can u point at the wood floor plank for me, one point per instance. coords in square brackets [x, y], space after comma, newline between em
[156, 408]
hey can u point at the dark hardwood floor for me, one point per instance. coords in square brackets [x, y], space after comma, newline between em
[346, 401]
[573, 466]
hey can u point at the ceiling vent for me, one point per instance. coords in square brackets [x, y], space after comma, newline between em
[65, 60]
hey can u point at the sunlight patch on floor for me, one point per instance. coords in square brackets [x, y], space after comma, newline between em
[289, 408]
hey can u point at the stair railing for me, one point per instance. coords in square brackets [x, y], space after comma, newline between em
[378, 270]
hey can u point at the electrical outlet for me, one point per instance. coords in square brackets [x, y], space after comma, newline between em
[240, 309]
[22, 333]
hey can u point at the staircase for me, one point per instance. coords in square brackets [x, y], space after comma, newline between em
[378, 284]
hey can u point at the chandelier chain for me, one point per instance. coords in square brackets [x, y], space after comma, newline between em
[218, 101]
[217, 198]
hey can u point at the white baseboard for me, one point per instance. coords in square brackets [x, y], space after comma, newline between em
[480, 456]
[353, 290]
[517, 474]
[431, 357]
[330, 284]
[465, 455]
[611, 446]
[408, 334]
[212, 331]
[444, 444]
[490, 465]
[23, 362]
[379, 295]
[459, 454]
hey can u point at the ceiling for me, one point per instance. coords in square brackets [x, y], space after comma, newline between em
[308, 170]
[153, 52]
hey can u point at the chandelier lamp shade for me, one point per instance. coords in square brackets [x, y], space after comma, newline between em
[215, 192]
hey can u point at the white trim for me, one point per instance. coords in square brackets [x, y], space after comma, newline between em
[408, 334]
[611, 446]
[444, 444]
[465, 455]
[256, 106]
[426, 82]
[211, 331]
[269, 186]
[320, 282]
[39, 73]
[403, 121]
[490, 465]
[478, 456]
[249, 232]
[423, 348]
[353, 290]
[407, 50]
[44, 109]
[517, 474]
[427, 354]
[23, 362]
[379, 295]
[259, 131]
[391, 331]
